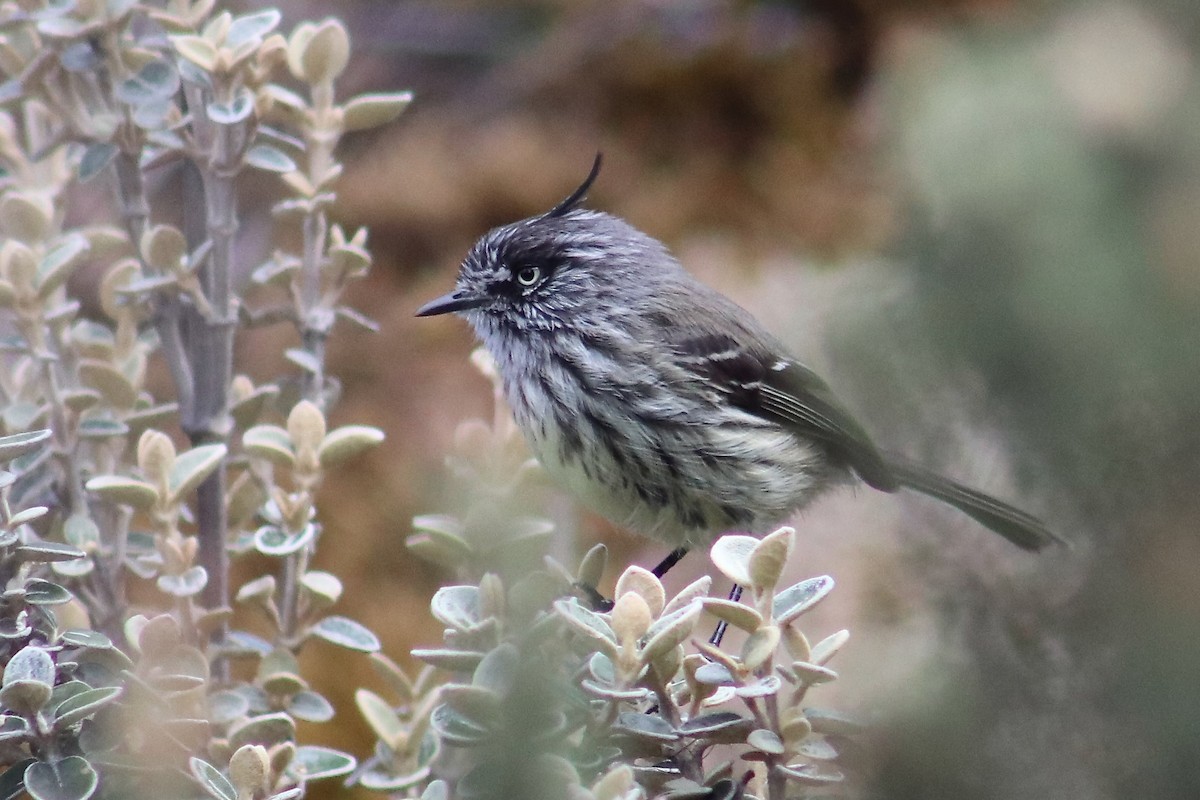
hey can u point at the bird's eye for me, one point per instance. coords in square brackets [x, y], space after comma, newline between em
[528, 276]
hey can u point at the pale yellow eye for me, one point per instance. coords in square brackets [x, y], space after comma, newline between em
[528, 276]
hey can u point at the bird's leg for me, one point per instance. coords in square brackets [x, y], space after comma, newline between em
[673, 558]
[591, 595]
[735, 594]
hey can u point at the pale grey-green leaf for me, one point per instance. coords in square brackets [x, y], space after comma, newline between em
[82, 705]
[800, 597]
[456, 606]
[18, 444]
[192, 467]
[211, 779]
[30, 663]
[70, 778]
[270, 159]
[346, 633]
[313, 762]
[251, 27]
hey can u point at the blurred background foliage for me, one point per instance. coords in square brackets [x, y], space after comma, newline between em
[979, 219]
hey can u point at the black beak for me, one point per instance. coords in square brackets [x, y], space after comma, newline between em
[457, 300]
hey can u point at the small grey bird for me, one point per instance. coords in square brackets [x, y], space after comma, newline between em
[661, 403]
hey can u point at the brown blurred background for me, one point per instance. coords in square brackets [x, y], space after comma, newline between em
[980, 220]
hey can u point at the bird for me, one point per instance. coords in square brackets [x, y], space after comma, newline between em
[659, 402]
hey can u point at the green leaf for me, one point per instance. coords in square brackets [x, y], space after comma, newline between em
[448, 659]
[310, 707]
[380, 780]
[498, 669]
[76, 568]
[57, 264]
[25, 696]
[197, 50]
[250, 27]
[48, 552]
[371, 110]
[155, 80]
[438, 790]
[437, 545]
[272, 541]
[260, 590]
[588, 623]
[271, 159]
[346, 633]
[82, 638]
[96, 158]
[382, 718]
[30, 663]
[644, 726]
[12, 727]
[714, 674]
[834, 722]
[227, 705]
[66, 690]
[345, 442]
[669, 631]
[211, 779]
[265, 729]
[731, 555]
[192, 467]
[27, 515]
[759, 646]
[109, 381]
[798, 598]
[323, 588]
[455, 729]
[457, 607]
[71, 778]
[825, 649]
[44, 593]
[810, 674]
[233, 112]
[81, 706]
[312, 762]
[810, 774]
[20, 414]
[102, 428]
[724, 725]
[769, 557]
[18, 444]
[270, 442]
[187, 584]
[303, 359]
[82, 532]
[12, 782]
[737, 614]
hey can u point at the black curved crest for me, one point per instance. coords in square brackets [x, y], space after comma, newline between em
[576, 196]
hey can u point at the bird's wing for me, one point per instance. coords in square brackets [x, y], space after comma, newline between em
[755, 374]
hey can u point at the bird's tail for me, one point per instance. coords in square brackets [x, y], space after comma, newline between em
[1022, 529]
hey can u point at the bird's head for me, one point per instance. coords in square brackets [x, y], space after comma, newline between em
[557, 270]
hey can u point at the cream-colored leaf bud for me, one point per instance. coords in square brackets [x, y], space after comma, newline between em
[373, 110]
[18, 266]
[249, 768]
[156, 456]
[26, 215]
[197, 49]
[164, 247]
[325, 55]
[306, 429]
